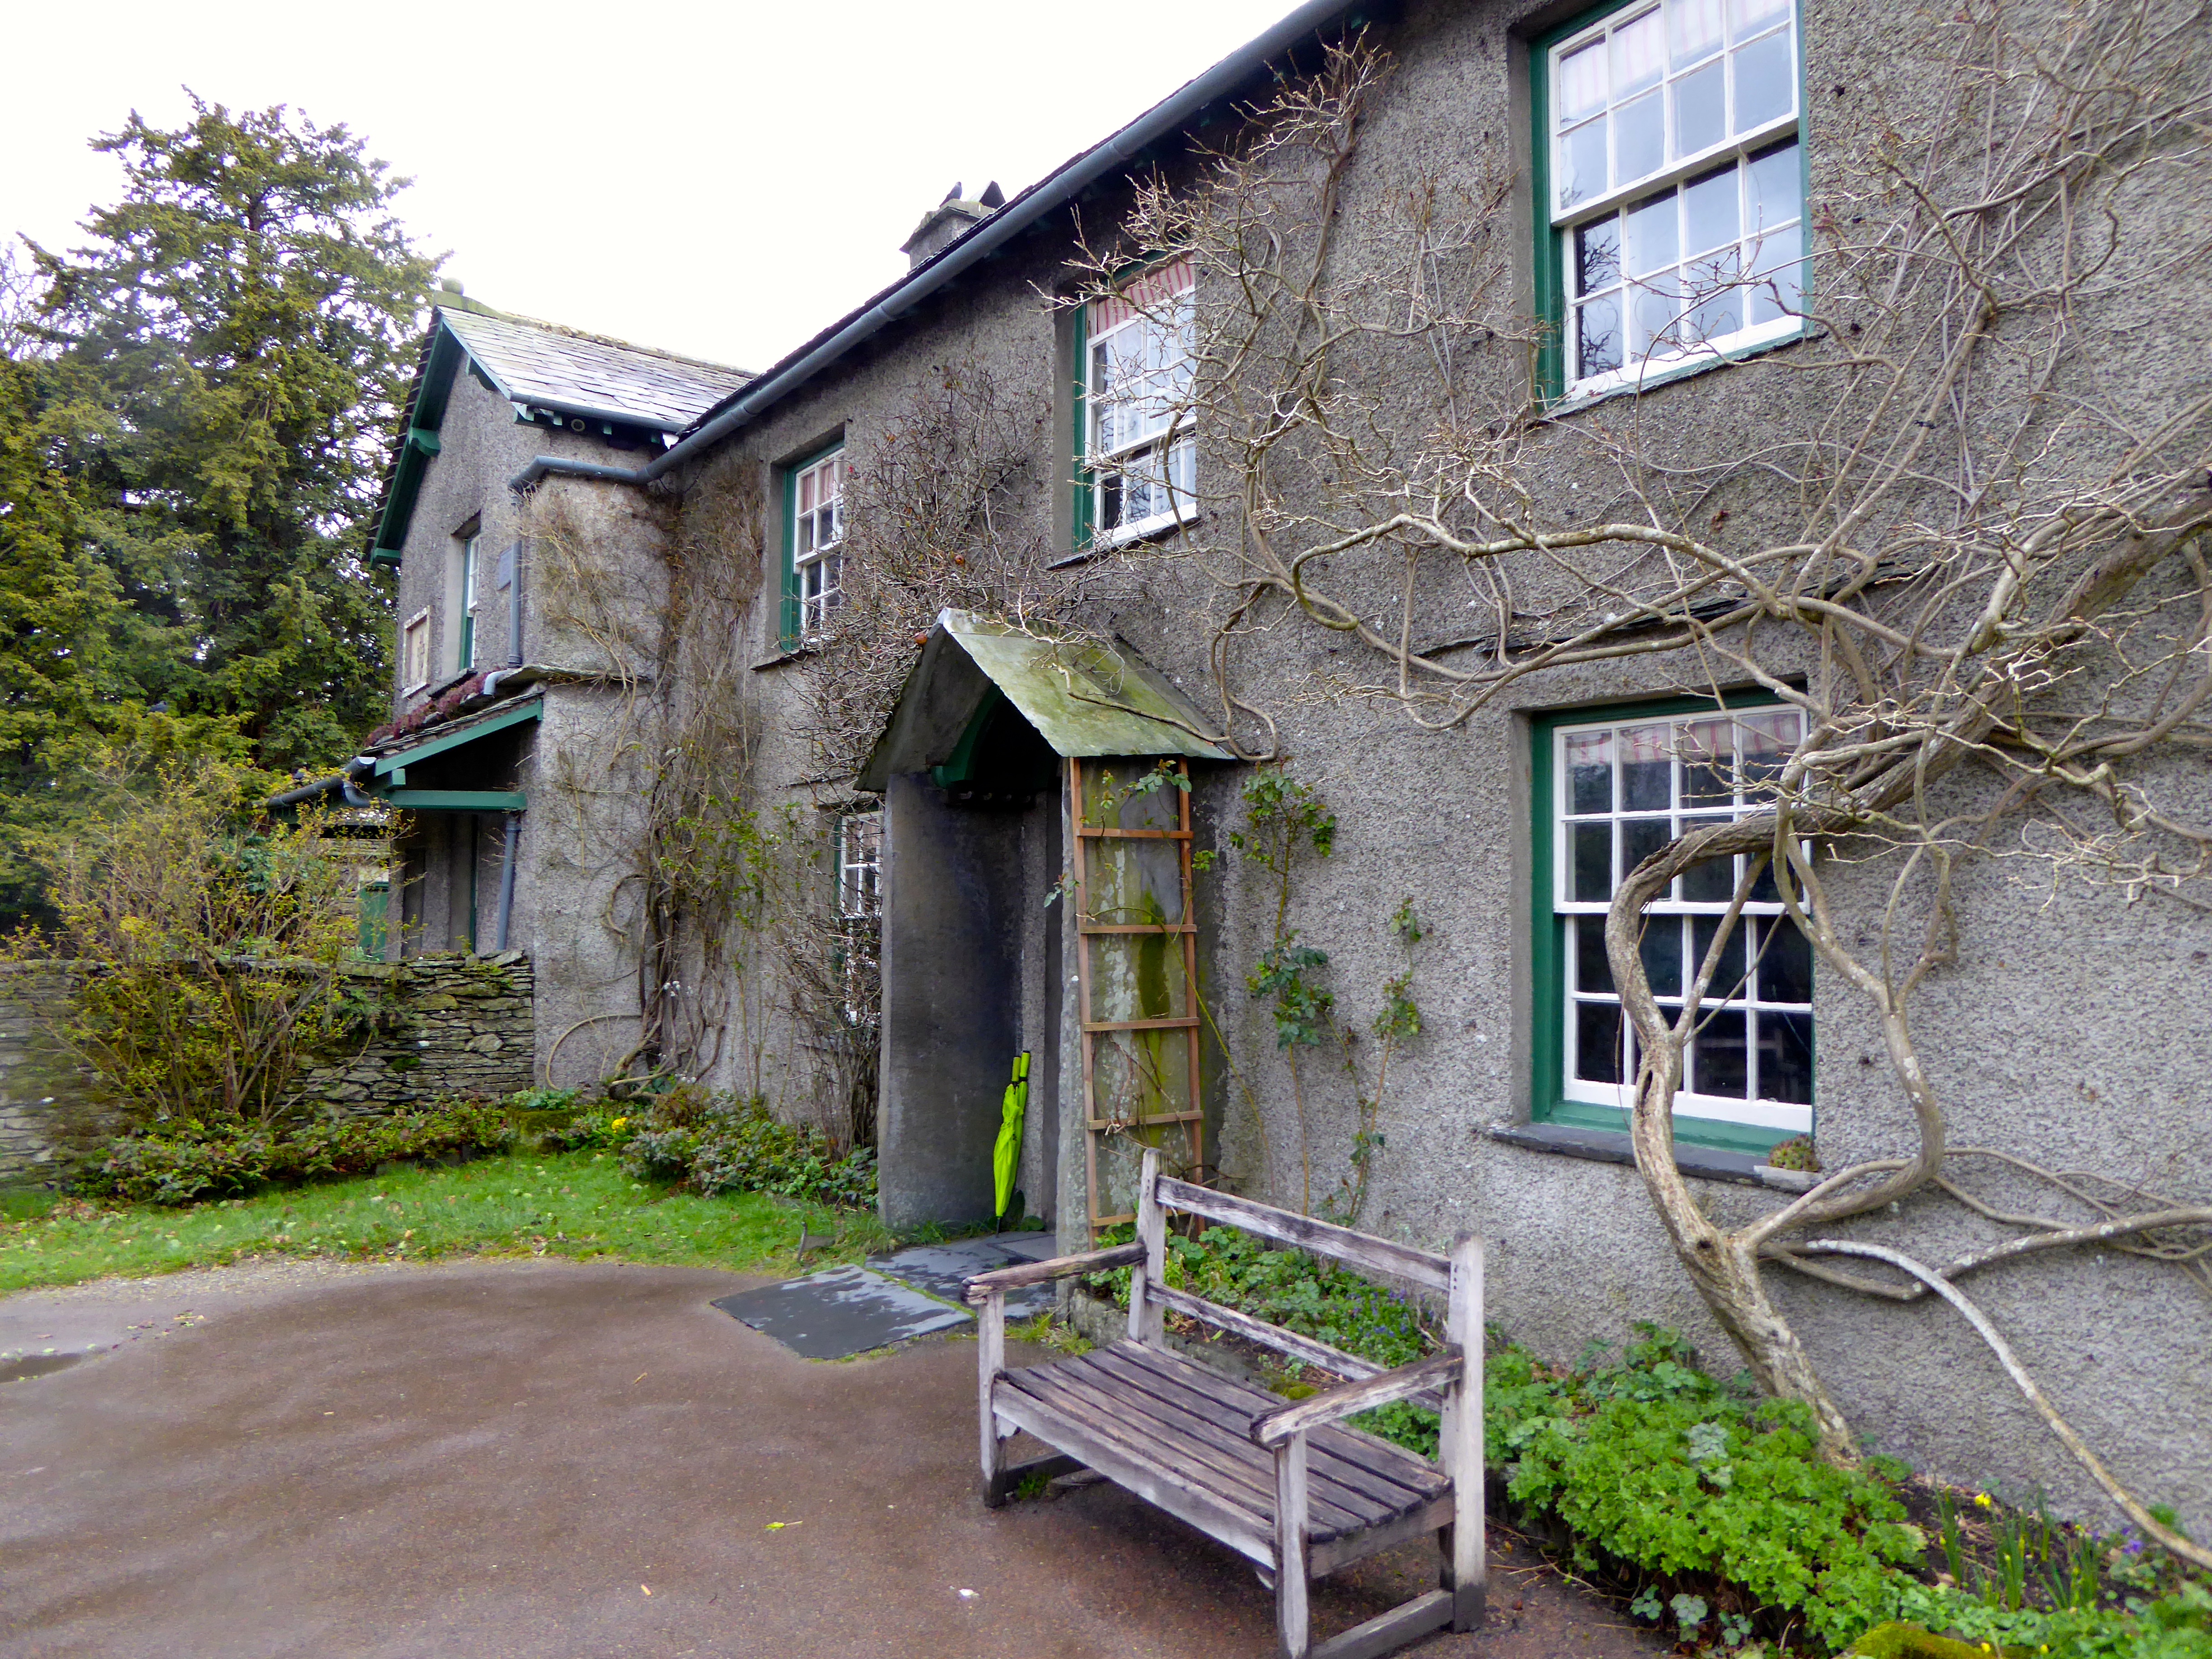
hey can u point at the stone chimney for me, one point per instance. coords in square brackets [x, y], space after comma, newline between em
[949, 221]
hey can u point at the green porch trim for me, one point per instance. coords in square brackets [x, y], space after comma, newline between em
[531, 710]
[457, 800]
[421, 444]
[1547, 935]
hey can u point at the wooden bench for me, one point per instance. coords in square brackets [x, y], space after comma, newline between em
[1282, 1483]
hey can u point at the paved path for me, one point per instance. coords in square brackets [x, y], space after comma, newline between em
[495, 1459]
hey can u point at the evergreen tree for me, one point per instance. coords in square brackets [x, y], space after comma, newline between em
[243, 318]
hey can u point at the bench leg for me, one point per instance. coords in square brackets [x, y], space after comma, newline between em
[990, 1360]
[1469, 1591]
[1293, 1624]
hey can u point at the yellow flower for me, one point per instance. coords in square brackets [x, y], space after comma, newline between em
[1982, 1500]
[618, 1123]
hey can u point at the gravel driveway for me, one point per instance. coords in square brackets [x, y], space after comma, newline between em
[552, 1459]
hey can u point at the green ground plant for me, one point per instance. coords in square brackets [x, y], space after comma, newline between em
[184, 1162]
[1710, 1506]
[580, 1205]
[717, 1142]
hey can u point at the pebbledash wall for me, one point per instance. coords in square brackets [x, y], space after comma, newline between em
[455, 1025]
[452, 1025]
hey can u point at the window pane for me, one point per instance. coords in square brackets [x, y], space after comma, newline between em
[1763, 744]
[1765, 81]
[1582, 163]
[1640, 838]
[1639, 137]
[1593, 864]
[1705, 771]
[1728, 973]
[1652, 235]
[1597, 1042]
[1716, 1056]
[1592, 971]
[1712, 881]
[1639, 55]
[1785, 1058]
[1709, 211]
[1700, 119]
[1662, 952]
[1597, 255]
[1693, 28]
[1763, 889]
[1780, 289]
[1647, 768]
[1776, 196]
[1582, 83]
[1718, 317]
[1658, 311]
[1597, 335]
[1749, 16]
[1589, 772]
[1785, 970]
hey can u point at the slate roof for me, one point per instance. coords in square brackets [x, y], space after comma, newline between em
[578, 374]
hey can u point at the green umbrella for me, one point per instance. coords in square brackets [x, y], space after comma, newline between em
[1006, 1157]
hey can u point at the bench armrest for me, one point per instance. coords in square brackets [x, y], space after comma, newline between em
[1061, 1267]
[1347, 1399]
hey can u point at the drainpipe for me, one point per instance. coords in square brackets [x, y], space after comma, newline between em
[341, 786]
[507, 878]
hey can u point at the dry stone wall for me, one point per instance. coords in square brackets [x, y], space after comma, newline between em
[46, 1106]
[454, 1025]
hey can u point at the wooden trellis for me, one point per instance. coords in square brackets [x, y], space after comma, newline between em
[1139, 1015]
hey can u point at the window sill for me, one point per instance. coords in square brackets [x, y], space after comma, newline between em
[1145, 530]
[1575, 403]
[1613, 1146]
[797, 653]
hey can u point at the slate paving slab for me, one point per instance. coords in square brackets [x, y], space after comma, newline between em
[841, 1311]
[944, 1269]
[909, 1293]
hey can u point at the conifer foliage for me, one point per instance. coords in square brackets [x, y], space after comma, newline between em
[194, 411]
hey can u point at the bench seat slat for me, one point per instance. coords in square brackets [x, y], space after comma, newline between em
[1171, 1411]
[1182, 1436]
[1109, 1426]
[1162, 1488]
[1388, 1475]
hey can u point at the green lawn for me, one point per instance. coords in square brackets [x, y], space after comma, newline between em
[574, 1203]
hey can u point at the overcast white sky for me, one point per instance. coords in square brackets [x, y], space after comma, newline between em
[720, 180]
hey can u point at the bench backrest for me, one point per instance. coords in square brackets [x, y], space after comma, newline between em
[1379, 1255]
[1150, 1295]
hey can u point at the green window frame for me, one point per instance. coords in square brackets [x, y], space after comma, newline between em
[467, 653]
[1772, 1006]
[1759, 281]
[791, 630]
[1156, 462]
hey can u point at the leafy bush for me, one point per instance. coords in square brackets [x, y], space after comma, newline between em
[716, 1143]
[209, 947]
[179, 1163]
[1659, 1466]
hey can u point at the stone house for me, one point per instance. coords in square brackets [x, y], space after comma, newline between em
[477, 705]
[1584, 247]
